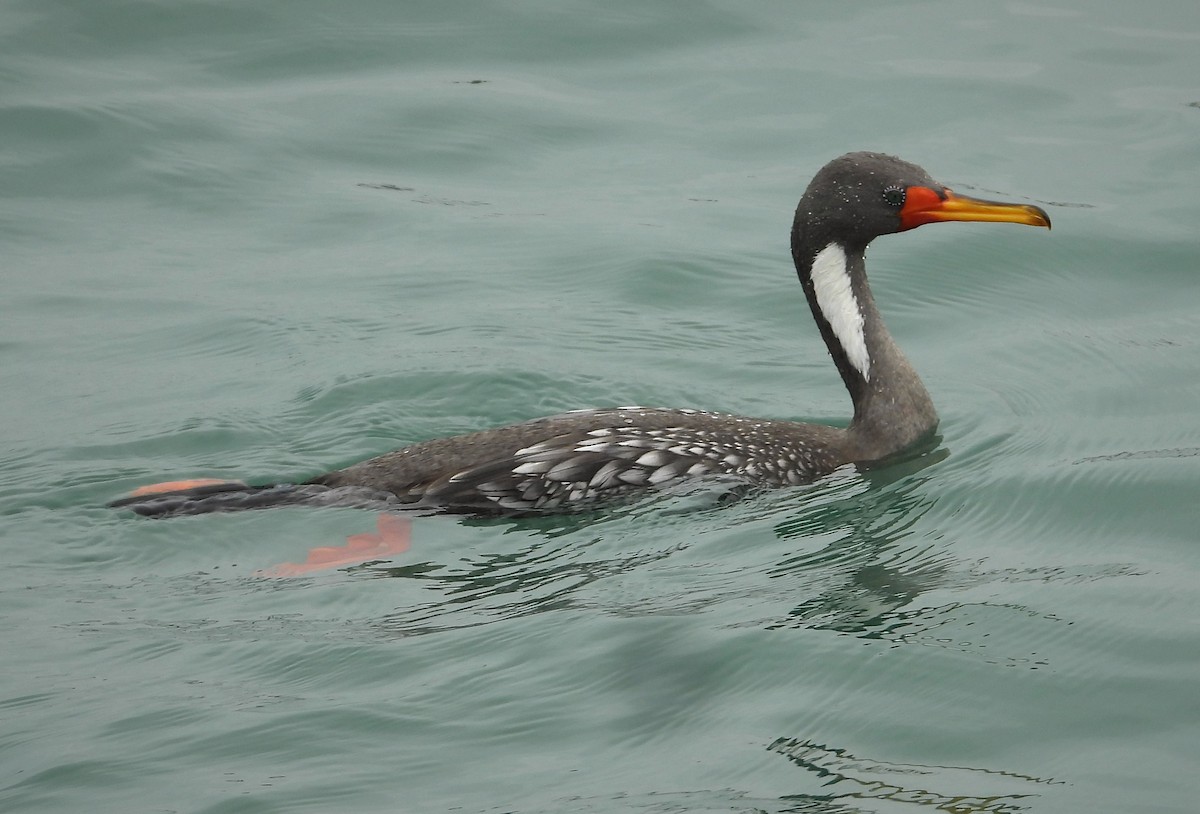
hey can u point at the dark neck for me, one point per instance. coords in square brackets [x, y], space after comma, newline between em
[892, 408]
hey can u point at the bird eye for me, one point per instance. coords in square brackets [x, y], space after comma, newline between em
[894, 196]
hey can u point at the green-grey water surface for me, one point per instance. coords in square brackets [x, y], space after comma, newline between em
[268, 239]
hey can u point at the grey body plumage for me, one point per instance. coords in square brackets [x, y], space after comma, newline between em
[579, 459]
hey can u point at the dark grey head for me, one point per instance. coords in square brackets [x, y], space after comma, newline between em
[857, 197]
[860, 196]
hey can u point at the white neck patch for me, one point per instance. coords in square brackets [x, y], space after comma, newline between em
[835, 298]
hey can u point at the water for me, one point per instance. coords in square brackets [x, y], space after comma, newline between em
[270, 239]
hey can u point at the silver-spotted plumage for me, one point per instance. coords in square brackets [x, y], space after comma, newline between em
[587, 457]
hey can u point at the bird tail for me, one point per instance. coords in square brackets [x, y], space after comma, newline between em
[206, 495]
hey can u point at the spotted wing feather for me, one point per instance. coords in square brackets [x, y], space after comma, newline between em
[575, 469]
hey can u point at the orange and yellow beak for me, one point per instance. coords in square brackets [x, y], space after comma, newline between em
[924, 205]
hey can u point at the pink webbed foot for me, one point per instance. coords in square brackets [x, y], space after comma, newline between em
[394, 536]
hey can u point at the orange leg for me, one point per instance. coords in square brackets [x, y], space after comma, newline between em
[183, 485]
